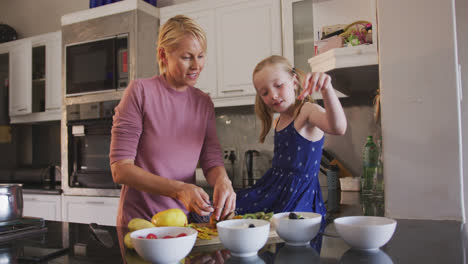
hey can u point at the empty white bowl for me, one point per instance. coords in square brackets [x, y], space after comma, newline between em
[164, 250]
[297, 232]
[241, 240]
[365, 232]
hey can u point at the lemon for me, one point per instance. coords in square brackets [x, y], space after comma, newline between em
[138, 223]
[128, 240]
[170, 217]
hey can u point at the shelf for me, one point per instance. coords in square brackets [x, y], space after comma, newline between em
[354, 56]
[354, 70]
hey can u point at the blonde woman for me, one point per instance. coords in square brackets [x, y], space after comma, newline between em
[162, 127]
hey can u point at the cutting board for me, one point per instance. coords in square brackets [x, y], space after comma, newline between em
[216, 241]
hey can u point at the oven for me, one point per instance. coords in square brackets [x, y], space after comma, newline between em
[89, 134]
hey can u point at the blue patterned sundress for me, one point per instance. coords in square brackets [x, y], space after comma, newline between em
[292, 184]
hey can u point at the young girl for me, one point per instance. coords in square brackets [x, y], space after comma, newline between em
[292, 183]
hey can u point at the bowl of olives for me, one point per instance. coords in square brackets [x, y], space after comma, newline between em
[243, 237]
[296, 228]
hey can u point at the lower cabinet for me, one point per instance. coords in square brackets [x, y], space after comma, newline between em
[90, 209]
[47, 206]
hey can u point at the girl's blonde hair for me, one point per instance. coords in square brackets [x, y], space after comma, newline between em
[172, 32]
[261, 109]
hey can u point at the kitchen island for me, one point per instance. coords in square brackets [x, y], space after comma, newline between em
[414, 241]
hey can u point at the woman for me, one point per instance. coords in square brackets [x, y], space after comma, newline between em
[162, 127]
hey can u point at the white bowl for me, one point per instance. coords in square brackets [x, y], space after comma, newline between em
[164, 250]
[365, 232]
[297, 232]
[241, 240]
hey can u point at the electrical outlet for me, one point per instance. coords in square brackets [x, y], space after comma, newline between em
[230, 153]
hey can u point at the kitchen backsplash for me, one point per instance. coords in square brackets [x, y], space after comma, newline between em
[238, 128]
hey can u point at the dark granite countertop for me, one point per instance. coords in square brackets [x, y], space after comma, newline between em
[414, 241]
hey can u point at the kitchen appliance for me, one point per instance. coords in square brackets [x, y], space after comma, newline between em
[11, 202]
[21, 227]
[89, 135]
[97, 66]
[249, 165]
[43, 178]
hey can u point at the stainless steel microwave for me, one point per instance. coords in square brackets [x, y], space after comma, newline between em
[97, 66]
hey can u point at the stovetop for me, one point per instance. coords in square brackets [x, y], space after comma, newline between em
[22, 227]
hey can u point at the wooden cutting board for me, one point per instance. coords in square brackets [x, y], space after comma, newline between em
[216, 241]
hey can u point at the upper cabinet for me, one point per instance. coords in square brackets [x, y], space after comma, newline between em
[240, 33]
[34, 78]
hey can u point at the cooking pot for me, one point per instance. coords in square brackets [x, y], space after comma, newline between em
[11, 202]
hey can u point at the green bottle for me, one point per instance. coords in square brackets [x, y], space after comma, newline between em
[379, 178]
[370, 158]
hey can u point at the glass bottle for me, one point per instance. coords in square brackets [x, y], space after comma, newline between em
[370, 156]
[379, 178]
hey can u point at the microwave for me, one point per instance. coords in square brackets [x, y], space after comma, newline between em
[97, 66]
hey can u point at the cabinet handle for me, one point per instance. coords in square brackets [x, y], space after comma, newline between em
[53, 108]
[95, 202]
[233, 91]
[22, 109]
[30, 199]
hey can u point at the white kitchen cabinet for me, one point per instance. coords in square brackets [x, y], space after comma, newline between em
[20, 78]
[47, 206]
[90, 209]
[240, 33]
[35, 78]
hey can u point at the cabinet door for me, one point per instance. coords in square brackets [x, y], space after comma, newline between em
[53, 92]
[48, 207]
[87, 209]
[247, 32]
[207, 79]
[20, 78]
[298, 32]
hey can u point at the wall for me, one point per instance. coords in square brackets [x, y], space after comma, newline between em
[462, 39]
[420, 110]
[31, 18]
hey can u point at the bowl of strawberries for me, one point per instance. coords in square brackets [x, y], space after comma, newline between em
[165, 244]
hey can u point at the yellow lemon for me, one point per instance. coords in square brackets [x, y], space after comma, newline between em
[128, 240]
[170, 217]
[139, 223]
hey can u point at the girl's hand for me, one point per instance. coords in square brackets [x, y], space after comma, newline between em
[195, 199]
[224, 198]
[317, 81]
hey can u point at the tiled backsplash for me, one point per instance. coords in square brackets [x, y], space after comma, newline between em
[239, 127]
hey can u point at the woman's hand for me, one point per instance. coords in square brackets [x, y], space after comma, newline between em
[318, 82]
[224, 197]
[195, 199]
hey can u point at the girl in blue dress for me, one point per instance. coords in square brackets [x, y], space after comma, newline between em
[292, 184]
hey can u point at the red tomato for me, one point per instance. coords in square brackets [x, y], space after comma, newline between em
[181, 235]
[168, 237]
[151, 236]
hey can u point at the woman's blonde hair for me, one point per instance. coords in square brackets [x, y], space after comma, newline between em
[261, 109]
[171, 33]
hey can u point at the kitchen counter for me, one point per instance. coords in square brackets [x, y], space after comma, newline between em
[414, 241]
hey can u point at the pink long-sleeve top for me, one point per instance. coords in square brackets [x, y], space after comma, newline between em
[165, 132]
